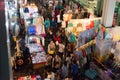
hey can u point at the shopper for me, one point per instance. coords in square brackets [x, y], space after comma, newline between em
[75, 70]
[47, 23]
[48, 62]
[63, 37]
[19, 63]
[51, 48]
[61, 49]
[49, 36]
[22, 43]
[53, 25]
[69, 49]
[56, 63]
[50, 75]
[64, 71]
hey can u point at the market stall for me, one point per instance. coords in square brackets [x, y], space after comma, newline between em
[80, 25]
[106, 44]
[35, 33]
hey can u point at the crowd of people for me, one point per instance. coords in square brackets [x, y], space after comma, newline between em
[60, 59]
[62, 63]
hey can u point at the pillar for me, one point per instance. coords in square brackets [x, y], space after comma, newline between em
[108, 12]
[99, 8]
[5, 66]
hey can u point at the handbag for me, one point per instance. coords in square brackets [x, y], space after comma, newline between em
[51, 52]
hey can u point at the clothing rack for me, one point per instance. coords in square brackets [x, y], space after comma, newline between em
[86, 45]
[103, 67]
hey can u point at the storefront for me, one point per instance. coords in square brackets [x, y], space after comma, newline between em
[93, 6]
[116, 17]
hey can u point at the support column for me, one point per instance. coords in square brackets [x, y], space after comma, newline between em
[5, 65]
[108, 12]
[99, 7]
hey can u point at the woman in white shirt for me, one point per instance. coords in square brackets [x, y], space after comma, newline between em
[61, 49]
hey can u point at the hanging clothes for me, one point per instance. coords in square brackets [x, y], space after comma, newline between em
[47, 23]
[31, 30]
[84, 53]
[96, 25]
[38, 30]
[72, 38]
[70, 24]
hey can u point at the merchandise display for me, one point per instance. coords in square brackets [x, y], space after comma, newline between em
[33, 38]
[80, 25]
[29, 18]
[30, 77]
[105, 45]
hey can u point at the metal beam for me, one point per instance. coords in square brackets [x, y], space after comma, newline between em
[5, 65]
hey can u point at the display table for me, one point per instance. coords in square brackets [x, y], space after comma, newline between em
[103, 71]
